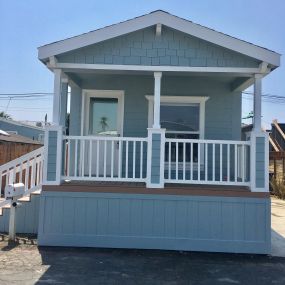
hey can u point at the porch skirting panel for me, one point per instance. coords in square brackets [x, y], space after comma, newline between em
[150, 221]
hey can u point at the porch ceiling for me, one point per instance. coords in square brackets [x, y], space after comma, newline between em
[227, 78]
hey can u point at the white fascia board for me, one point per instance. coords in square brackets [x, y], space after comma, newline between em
[158, 68]
[166, 19]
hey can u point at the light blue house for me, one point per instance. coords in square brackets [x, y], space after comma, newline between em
[19, 128]
[154, 157]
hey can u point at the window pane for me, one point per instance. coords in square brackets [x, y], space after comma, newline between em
[103, 116]
[180, 118]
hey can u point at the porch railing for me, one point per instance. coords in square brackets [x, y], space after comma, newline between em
[207, 162]
[105, 158]
[26, 169]
[221, 162]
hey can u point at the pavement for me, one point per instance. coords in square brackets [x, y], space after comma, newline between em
[277, 227]
[24, 263]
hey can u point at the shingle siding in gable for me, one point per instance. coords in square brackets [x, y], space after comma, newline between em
[171, 48]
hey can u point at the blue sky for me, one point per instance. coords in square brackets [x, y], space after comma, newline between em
[26, 25]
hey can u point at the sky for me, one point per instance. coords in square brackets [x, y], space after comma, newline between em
[26, 25]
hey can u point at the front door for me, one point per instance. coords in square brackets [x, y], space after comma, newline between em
[103, 118]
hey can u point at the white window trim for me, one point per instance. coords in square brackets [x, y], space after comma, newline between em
[201, 100]
[95, 93]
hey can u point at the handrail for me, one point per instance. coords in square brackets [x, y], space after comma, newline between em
[104, 138]
[22, 158]
[26, 169]
[208, 141]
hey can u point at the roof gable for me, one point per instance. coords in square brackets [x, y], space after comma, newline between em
[172, 47]
[166, 19]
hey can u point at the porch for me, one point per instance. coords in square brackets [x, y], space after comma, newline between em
[172, 138]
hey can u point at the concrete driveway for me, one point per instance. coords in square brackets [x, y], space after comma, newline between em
[25, 263]
[278, 227]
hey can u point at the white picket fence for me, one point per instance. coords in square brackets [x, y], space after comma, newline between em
[207, 161]
[27, 169]
[105, 158]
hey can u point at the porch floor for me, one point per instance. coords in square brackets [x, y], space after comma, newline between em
[169, 189]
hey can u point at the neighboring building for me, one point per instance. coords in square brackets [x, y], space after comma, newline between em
[154, 157]
[13, 146]
[277, 150]
[22, 129]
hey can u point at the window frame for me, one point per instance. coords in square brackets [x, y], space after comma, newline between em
[87, 94]
[182, 101]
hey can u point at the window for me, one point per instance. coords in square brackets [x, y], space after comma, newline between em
[103, 116]
[183, 117]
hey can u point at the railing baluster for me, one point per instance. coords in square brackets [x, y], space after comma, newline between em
[236, 163]
[112, 159]
[134, 159]
[214, 163]
[141, 159]
[169, 160]
[127, 159]
[21, 173]
[68, 157]
[184, 154]
[242, 163]
[83, 158]
[206, 162]
[199, 162]
[176, 175]
[191, 162]
[76, 158]
[221, 162]
[105, 158]
[97, 157]
[120, 159]
[228, 162]
[90, 157]
[27, 175]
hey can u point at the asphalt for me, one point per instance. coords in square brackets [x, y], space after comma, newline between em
[24, 263]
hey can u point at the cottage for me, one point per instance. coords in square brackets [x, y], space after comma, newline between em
[154, 157]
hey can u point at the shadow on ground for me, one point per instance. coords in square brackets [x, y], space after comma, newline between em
[107, 266]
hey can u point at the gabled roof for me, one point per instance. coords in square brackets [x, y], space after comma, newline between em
[164, 18]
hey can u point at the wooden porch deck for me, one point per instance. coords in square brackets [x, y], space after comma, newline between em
[170, 189]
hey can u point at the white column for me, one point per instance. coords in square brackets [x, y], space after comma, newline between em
[56, 97]
[257, 103]
[156, 108]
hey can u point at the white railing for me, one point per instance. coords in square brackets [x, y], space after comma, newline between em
[27, 169]
[219, 162]
[105, 158]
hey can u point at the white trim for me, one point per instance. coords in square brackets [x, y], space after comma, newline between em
[56, 96]
[154, 18]
[257, 103]
[181, 100]
[158, 30]
[89, 93]
[245, 71]
[156, 102]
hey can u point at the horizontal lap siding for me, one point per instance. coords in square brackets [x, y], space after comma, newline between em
[171, 48]
[223, 109]
[155, 221]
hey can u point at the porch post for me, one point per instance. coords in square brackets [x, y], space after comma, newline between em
[257, 103]
[156, 142]
[53, 134]
[259, 143]
[156, 108]
[53, 155]
[59, 98]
